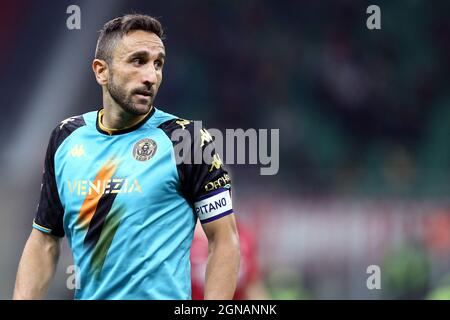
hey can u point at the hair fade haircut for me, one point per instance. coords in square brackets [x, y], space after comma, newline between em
[115, 29]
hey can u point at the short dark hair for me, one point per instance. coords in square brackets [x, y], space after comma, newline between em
[115, 29]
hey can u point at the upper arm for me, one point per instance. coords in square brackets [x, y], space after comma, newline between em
[47, 242]
[44, 238]
[50, 212]
[222, 229]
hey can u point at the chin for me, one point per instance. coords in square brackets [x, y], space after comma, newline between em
[139, 109]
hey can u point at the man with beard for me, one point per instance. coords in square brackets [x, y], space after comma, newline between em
[112, 185]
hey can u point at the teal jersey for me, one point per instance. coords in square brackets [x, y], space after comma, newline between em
[127, 207]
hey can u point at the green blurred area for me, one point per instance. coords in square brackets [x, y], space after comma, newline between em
[374, 106]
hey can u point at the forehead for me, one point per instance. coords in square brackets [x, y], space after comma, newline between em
[139, 41]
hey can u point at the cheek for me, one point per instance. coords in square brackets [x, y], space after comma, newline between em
[160, 78]
[128, 82]
[124, 77]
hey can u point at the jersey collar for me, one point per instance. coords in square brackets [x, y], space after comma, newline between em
[111, 132]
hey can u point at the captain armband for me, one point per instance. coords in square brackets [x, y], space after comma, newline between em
[214, 205]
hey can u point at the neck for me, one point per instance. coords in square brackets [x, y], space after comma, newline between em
[115, 118]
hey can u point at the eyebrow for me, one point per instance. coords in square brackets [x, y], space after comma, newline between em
[144, 53]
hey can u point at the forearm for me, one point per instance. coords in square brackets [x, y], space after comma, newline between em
[36, 268]
[222, 270]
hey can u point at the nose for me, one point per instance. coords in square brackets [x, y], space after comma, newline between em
[149, 77]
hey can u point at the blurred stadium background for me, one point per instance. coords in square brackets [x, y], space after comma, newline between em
[364, 119]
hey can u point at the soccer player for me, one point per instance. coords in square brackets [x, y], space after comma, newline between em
[113, 185]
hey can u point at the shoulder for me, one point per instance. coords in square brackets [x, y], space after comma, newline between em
[65, 128]
[169, 122]
[71, 124]
[161, 117]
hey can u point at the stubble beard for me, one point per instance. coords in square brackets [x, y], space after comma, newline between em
[125, 101]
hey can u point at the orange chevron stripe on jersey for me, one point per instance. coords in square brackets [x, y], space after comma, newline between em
[91, 201]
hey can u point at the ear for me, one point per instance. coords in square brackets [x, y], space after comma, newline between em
[101, 71]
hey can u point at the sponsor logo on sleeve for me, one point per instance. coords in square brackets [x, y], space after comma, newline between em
[219, 183]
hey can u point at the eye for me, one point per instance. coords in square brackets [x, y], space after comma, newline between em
[158, 64]
[137, 61]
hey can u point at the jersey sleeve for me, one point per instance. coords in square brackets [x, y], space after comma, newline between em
[50, 212]
[205, 182]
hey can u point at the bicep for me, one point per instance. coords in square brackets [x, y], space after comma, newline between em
[46, 242]
[223, 228]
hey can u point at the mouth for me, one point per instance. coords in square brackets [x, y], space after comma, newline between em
[144, 93]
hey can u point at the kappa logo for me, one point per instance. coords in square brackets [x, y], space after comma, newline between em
[216, 162]
[77, 151]
[144, 149]
[205, 137]
[66, 121]
[183, 123]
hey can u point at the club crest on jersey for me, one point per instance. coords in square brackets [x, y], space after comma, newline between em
[144, 149]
